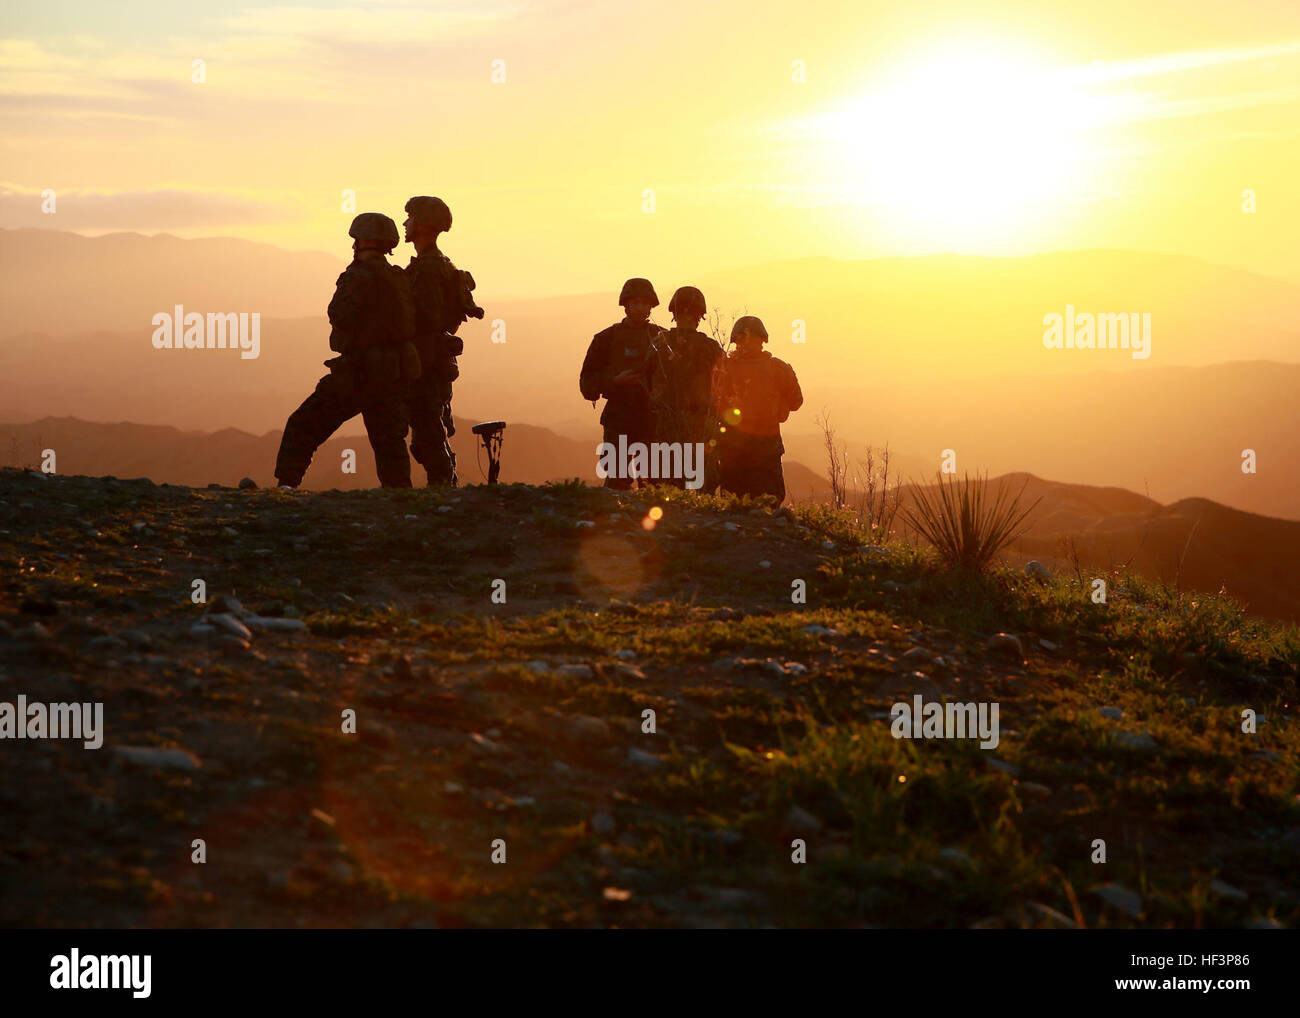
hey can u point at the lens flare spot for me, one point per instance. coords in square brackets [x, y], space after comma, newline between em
[609, 564]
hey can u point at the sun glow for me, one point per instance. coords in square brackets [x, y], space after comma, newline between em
[970, 146]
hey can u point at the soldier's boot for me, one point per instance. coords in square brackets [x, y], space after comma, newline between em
[386, 425]
[320, 415]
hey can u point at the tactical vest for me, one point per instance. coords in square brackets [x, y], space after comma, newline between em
[373, 309]
[623, 347]
[627, 350]
[684, 362]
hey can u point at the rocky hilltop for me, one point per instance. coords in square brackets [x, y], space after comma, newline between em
[518, 705]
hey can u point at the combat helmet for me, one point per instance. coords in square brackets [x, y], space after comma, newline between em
[751, 324]
[689, 300]
[426, 211]
[374, 226]
[638, 288]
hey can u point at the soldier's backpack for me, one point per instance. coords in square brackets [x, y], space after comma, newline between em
[754, 386]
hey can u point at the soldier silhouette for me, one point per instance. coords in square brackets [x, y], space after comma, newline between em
[372, 321]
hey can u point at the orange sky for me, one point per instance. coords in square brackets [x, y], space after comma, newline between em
[764, 131]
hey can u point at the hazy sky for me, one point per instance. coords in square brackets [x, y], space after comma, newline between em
[765, 131]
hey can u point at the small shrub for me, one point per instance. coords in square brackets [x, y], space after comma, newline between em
[965, 529]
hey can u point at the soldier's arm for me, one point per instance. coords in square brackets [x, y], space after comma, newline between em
[793, 394]
[592, 380]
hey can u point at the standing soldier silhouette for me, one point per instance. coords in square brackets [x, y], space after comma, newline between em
[372, 322]
[682, 360]
[443, 300]
[617, 367]
[754, 394]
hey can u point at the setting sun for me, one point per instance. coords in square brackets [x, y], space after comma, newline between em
[966, 146]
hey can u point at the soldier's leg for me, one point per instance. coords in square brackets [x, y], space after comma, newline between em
[610, 437]
[769, 478]
[704, 439]
[673, 462]
[733, 464]
[759, 468]
[643, 432]
[449, 429]
[736, 455]
[429, 443]
[751, 465]
[320, 415]
[712, 467]
[386, 423]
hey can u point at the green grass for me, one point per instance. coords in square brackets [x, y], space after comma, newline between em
[740, 748]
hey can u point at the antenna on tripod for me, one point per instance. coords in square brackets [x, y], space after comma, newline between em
[490, 433]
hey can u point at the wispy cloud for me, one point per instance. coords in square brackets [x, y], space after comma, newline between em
[371, 23]
[1101, 72]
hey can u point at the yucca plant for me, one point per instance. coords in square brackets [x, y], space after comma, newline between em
[965, 529]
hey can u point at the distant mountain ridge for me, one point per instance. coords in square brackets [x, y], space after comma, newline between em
[57, 282]
[1195, 542]
[162, 453]
[925, 354]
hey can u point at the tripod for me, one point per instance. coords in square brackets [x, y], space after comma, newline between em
[490, 433]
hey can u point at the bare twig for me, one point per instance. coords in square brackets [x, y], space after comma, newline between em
[837, 461]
